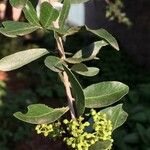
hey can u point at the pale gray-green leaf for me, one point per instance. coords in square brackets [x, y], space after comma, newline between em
[41, 114]
[14, 28]
[104, 93]
[48, 14]
[102, 33]
[82, 69]
[30, 14]
[116, 114]
[21, 58]
[77, 92]
[92, 71]
[54, 63]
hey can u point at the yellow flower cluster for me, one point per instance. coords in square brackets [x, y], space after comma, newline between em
[102, 125]
[53, 130]
[79, 140]
[75, 131]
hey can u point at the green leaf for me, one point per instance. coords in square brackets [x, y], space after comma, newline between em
[116, 114]
[18, 3]
[40, 114]
[84, 70]
[101, 145]
[14, 28]
[92, 71]
[64, 13]
[21, 58]
[77, 92]
[90, 51]
[79, 67]
[87, 53]
[102, 33]
[78, 1]
[30, 14]
[104, 93]
[72, 31]
[54, 63]
[48, 14]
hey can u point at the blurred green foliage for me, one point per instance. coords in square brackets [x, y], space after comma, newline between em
[114, 11]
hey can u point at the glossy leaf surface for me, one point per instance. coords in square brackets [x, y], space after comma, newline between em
[21, 58]
[41, 114]
[104, 93]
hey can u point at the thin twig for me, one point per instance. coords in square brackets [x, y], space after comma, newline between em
[64, 74]
[65, 78]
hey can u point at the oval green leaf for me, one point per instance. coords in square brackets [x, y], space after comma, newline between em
[92, 71]
[82, 69]
[21, 58]
[54, 63]
[102, 33]
[40, 114]
[77, 92]
[116, 114]
[30, 14]
[14, 28]
[104, 93]
[48, 14]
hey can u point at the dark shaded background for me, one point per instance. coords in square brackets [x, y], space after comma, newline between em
[134, 40]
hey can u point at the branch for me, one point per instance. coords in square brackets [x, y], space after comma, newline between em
[64, 74]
